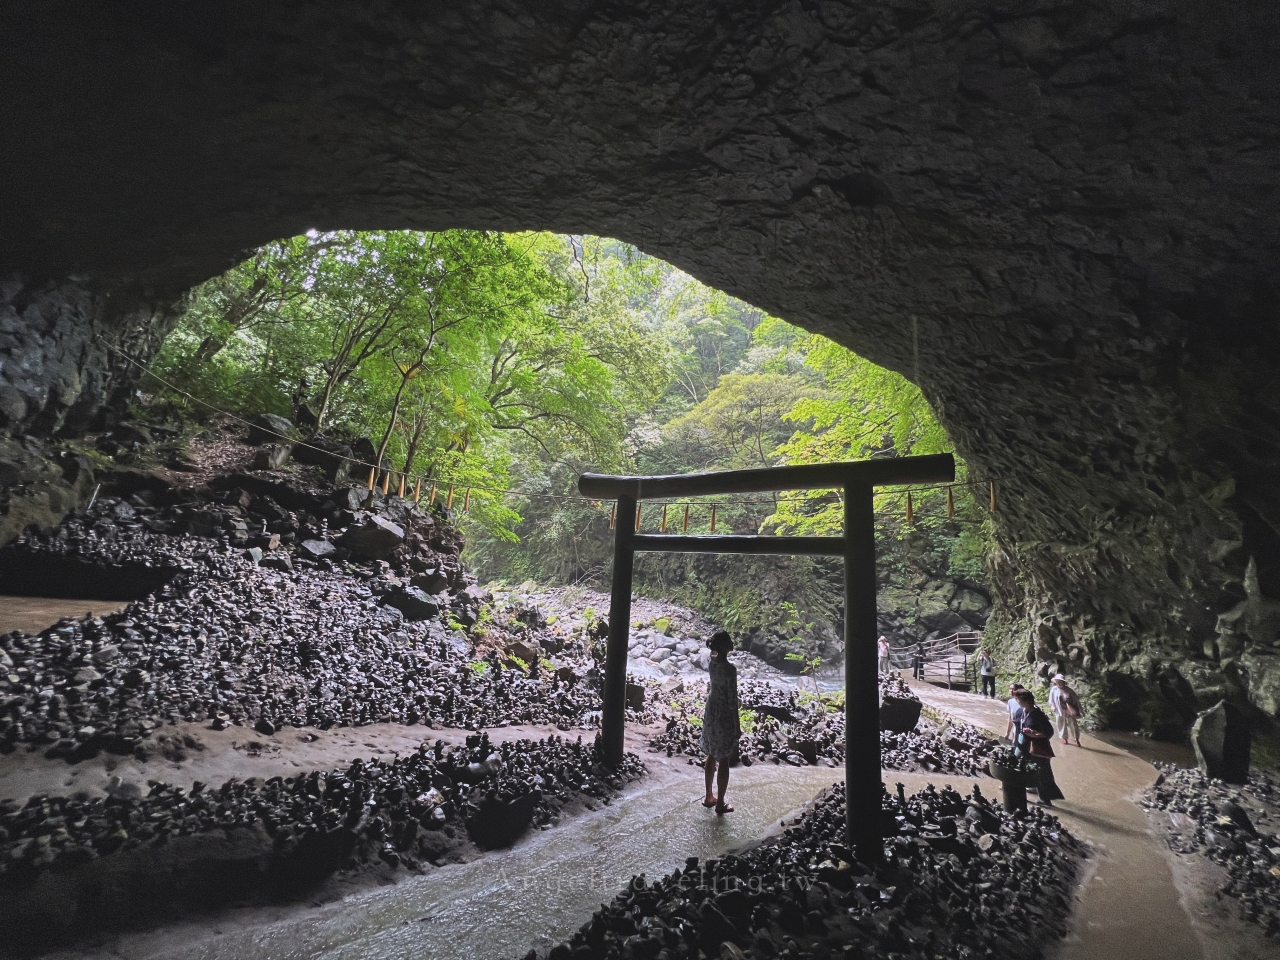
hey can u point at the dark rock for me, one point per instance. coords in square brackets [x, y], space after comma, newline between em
[272, 456]
[899, 715]
[269, 428]
[635, 696]
[432, 581]
[265, 727]
[412, 602]
[277, 561]
[376, 539]
[1222, 741]
[315, 549]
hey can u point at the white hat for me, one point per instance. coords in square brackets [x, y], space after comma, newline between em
[1058, 676]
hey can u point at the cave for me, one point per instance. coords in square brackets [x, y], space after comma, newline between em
[1058, 218]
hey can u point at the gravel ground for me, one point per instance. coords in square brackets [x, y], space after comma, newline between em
[1235, 826]
[960, 878]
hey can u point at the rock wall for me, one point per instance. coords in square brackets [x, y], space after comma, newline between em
[1059, 217]
[62, 349]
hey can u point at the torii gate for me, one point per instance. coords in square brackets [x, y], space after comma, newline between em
[858, 479]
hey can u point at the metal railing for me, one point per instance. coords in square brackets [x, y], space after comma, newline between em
[947, 660]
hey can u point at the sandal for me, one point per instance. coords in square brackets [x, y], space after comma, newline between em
[722, 809]
[707, 805]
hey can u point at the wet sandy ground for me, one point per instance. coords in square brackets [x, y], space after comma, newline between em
[535, 894]
[1129, 906]
[33, 614]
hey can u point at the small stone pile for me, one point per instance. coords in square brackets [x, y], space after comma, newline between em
[228, 639]
[1229, 825]
[784, 726]
[960, 878]
[391, 810]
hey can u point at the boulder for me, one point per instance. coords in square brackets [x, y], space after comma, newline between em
[432, 580]
[277, 562]
[273, 456]
[315, 549]
[498, 823]
[269, 428]
[328, 455]
[899, 714]
[635, 696]
[1222, 739]
[375, 539]
[413, 603]
[524, 651]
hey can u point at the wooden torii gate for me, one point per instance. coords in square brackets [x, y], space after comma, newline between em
[858, 480]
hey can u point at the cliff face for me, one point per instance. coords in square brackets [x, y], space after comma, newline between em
[62, 350]
[1058, 217]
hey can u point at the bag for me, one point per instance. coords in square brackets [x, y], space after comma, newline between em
[1042, 748]
[1074, 710]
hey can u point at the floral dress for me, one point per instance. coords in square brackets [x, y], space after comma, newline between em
[720, 718]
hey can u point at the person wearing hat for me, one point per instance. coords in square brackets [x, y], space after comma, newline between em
[1066, 707]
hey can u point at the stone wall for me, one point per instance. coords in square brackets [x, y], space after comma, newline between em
[1059, 217]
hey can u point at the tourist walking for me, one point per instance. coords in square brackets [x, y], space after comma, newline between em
[918, 660]
[987, 671]
[882, 653]
[1035, 742]
[1011, 728]
[1066, 707]
[720, 725]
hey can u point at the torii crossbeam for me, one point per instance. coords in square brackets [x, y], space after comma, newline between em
[858, 480]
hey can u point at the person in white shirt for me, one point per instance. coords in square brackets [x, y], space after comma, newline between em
[882, 649]
[987, 671]
[1010, 731]
[1066, 707]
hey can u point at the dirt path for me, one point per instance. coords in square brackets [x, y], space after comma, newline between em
[33, 614]
[1129, 905]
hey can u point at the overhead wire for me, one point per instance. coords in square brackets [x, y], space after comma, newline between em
[436, 481]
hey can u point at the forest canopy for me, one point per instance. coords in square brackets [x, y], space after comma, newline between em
[510, 363]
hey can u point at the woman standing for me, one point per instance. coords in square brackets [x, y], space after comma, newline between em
[720, 727]
[1035, 742]
[1066, 707]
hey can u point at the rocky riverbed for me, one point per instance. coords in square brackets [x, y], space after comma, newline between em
[960, 878]
[1235, 827]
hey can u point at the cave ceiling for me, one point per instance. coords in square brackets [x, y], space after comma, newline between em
[1060, 218]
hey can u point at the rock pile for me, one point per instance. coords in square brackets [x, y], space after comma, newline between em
[246, 630]
[394, 810]
[960, 878]
[803, 729]
[1229, 825]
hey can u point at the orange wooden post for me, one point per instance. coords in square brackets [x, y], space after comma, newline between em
[400, 489]
[685, 527]
[466, 501]
[448, 503]
[372, 473]
[639, 507]
[417, 490]
[613, 515]
[993, 495]
[664, 518]
[951, 503]
[433, 493]
[911, 516]
[386, 482]
[713, 518]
